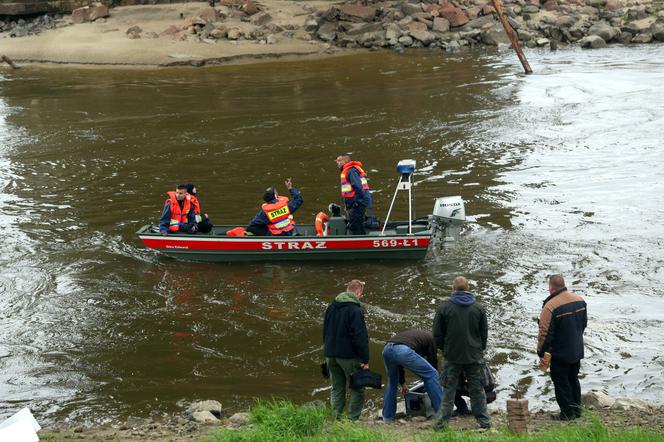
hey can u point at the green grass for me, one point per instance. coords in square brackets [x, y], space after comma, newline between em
[283, 421]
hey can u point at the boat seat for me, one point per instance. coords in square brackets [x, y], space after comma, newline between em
[337, 226]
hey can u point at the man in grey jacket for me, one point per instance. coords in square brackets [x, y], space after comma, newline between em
[460, 329]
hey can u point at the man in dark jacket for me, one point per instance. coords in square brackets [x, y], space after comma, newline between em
[460, 329]
[346, 347]
[416, 351]
[261, 224]
[561, 325]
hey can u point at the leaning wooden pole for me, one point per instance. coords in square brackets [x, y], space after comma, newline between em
[512, 36]
[6, 59]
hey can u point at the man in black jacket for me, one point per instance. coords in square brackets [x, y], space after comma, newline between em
[561, 325]
[461, 330]
[346, 347]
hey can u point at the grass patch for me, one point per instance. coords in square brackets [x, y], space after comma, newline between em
[283, 421]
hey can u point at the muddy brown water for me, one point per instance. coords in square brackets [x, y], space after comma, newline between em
[561, 171]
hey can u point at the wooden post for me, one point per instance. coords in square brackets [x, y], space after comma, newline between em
[8, 61]
[512, 36]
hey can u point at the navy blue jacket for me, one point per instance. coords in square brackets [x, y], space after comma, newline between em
[344, 330]
[258, 225]
[165, 220]
[362, 197]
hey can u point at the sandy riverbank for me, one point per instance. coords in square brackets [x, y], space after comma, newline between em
[105, 42]
[241, 31]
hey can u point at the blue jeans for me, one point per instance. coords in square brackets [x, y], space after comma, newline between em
[399, 355]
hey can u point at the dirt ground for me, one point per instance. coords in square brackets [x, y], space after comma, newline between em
[182, 429]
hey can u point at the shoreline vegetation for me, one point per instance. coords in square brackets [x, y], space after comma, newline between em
[604, 419]
[244, 31]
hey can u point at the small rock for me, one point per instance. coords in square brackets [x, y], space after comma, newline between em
[310, 24]
[210, 405]
[638, 26]
[629, 404]
[542, 42]
[234, 34]
[357, 12]
[238, 420]
[410, 8]
[210, 15]
[151, 35]
[644, 37]
[495, 36]
[134, 32]
[249, 8]
[406, 40]
[327, 32]
[603, 30]
[218, 34]
[204, 417]
[454, 15]
[271, 39]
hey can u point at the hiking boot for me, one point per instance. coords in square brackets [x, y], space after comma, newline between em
[485, 425]
[440, 426]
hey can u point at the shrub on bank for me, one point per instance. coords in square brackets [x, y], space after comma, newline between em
[283, 421]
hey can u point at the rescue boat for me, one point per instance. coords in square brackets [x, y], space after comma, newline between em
[407, 240]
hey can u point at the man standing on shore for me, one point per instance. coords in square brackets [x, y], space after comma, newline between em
[416, 351]
[346, 347]
[461, 330]
[561, 325]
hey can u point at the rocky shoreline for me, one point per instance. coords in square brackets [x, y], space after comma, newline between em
[160, 34]
[203, 417]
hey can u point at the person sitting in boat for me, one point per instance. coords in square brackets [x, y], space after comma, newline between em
[322, 219]
[355, 192]
[276, 215]
[178, 214]
[203, 223]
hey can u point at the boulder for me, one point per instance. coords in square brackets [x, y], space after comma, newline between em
[592, 42]
[440, 24]
[260, 18]
[369, 39]
[597, 400]
[410, 8]
[392, 32]
[454, 15]
[363, 28]
[218, 34]
[214, 407]
[453, 46]
[193, 20]
[478, 23]
[239, 420]
[425, 37]
[406, 40]
[89, 13]
[542, 42]
[357, 12]
[657, 31]
[210, 15]
[204, 417]
[494, 36]
[625, 38]
[638, 26]
[327, 32]
[171, 30]
[250, 7]
[524, 35]
[603, 30]
[551, 5]
[644, 37]
[613, 5]
[415, 26]
[310, 24]
[565, 21]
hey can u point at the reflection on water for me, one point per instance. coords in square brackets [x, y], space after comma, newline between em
[561, 172]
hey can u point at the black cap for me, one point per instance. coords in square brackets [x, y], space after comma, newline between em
[190, 188]
[269, 194]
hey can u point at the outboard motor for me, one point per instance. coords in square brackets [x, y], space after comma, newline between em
[449, 214]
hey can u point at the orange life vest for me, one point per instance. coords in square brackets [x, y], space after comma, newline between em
[321, 224]
[197, 207]
[347, 190]
[279, 217]
[178, 216]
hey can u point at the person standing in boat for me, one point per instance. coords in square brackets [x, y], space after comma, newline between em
[355, 192]
[276, 215]
[203, 223]
[178, 213]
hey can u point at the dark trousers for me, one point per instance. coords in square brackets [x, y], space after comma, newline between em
[453, 375]
[356, 219]
[566, 385]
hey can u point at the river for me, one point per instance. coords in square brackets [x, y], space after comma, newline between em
[562, 172]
